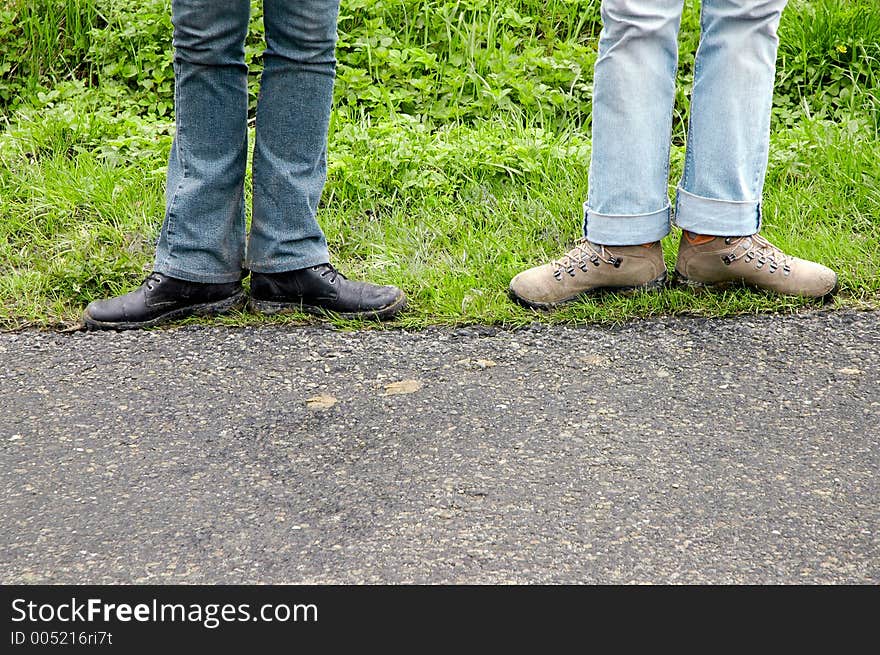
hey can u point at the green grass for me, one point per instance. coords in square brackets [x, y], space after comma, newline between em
[465, 164]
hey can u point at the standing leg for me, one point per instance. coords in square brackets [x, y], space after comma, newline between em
[202, 238]
[718, 203]
[729, 132]
[293, 114]
[633, 98]
[200, 252]
[627, 212]
[287, 251]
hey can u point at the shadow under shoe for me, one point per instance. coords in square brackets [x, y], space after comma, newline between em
[750, 261]
[161, 299]
[589, 268]
[323, 290]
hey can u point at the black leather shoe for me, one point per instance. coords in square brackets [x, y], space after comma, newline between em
[160, 299]
[322, 289]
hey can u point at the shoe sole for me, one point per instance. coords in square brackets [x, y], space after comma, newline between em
[270, 307]
[680, 279]
[205, 309]
[656, 283]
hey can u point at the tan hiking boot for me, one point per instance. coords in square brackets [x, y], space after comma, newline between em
[753, 261]
[586, 268]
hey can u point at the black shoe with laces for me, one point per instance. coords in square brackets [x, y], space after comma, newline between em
[322, 289]
[161, 299]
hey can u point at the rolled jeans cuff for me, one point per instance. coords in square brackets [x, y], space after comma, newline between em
[722, 218]
[625, 229]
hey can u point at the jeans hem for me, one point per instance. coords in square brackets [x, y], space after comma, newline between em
[290, 264]
[626, 229]
[205, 278]
[713, 217]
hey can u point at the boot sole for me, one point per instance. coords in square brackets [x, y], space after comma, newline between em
[204, 309]
[656, 283]
[270, 307]
[680, 279]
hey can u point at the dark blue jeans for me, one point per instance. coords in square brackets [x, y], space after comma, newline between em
[203, 235]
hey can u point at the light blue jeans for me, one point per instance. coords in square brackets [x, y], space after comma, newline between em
[203, 234]
[728, 136]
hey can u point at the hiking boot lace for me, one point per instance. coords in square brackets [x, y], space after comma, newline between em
[583, 254]
[758, 249]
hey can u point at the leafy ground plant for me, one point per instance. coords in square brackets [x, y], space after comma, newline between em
[459, 152]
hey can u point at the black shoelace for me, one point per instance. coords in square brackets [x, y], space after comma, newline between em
[328, 269]
[153, 277]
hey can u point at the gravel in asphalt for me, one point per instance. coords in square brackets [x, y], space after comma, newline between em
[665, 451]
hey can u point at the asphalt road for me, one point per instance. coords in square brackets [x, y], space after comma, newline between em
[670, 451]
